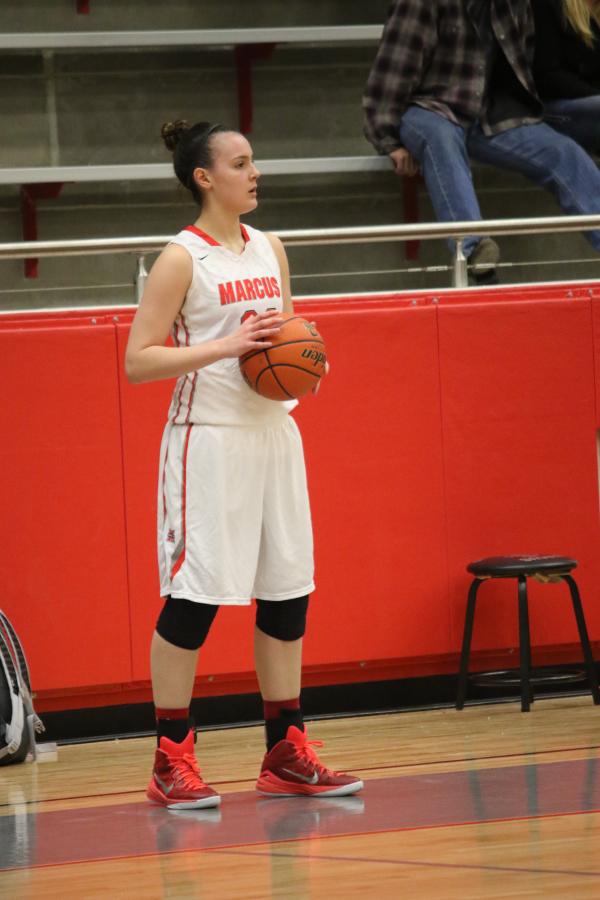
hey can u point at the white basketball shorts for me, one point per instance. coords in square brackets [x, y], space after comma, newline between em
[233, 514]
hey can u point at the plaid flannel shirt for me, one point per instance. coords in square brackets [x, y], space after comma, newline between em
[431, 55]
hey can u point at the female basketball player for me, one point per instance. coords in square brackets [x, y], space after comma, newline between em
[233, 511]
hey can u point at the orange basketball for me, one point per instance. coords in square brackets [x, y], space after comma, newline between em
[292, 366]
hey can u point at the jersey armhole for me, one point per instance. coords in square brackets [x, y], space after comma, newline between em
[195, 264]
[274, 256]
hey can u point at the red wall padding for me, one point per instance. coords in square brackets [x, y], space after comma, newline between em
[374, 457]
[518, 409]
[62, 528]
[449, 428]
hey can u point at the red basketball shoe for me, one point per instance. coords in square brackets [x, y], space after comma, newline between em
[292, 767]
[176, 779]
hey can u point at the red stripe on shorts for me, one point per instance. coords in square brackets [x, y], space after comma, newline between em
[181, 559]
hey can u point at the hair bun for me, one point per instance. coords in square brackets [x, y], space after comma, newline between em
[172, 132]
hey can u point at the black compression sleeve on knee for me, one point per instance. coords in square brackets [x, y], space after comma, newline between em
[185, 623]
[282, 619]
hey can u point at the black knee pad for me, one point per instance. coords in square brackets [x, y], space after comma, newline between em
[282, 619]
[185, 623]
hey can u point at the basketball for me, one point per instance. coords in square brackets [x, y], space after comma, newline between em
[292, 366]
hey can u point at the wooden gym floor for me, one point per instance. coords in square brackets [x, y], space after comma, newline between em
[488, 802]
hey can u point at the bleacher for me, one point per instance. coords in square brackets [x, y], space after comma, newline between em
[85, 96]
[192, 37]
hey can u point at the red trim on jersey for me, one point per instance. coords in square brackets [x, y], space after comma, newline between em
[181, 559]
[164, 476]
[191, 397]
[210, 240]
[178, 344]
[191, 380]
[205, 237]
[184, 382]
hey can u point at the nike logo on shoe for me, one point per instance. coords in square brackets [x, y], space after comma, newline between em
[309, 779]
[166, 789]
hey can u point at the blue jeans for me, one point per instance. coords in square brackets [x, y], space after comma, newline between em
[546, 157]
[578, 119]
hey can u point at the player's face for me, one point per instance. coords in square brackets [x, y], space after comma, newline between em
[232, 178]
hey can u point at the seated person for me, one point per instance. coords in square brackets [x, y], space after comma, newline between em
[454, 79]
[566, 67]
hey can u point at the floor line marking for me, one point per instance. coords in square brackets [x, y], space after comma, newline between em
[297, 840]
[405, 862]
[408, 765]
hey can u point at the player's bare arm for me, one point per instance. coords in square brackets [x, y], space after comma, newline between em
[284, 269]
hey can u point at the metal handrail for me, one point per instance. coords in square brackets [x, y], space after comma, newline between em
[72, 40]
[318, 236]
[308, 236]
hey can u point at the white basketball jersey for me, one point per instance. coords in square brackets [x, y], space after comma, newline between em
[225, 289]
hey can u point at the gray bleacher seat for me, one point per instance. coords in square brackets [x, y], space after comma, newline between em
[211, 37]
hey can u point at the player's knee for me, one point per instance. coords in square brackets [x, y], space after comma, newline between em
[185, 623]
[282, 619]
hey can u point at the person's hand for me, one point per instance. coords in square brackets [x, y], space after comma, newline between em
[403, 162]
[318, 384]
[253, 334]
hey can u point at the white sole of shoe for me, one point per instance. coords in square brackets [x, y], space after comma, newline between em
[206, 803]
[344, 791]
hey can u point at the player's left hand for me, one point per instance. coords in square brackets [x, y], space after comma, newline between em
[315, 390]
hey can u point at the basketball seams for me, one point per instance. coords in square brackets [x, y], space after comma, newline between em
[286, 365]
[274, 374]
[272, 366]
[301, 354]
[285, 396]
[253, 353]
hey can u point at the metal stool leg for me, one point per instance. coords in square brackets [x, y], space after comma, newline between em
[584, 638]
[466, 644]
[524, 646]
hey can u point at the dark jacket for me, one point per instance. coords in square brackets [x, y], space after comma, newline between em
[436, 54]
[564, 66]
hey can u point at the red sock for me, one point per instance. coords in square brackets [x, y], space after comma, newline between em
[272, 708]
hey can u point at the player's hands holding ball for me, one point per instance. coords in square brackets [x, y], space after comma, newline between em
[253, 334]
[291, 365]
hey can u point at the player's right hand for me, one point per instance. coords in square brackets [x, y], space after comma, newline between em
[253, 334]
[403, 162]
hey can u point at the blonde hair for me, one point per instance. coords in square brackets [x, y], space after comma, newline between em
[579, 15]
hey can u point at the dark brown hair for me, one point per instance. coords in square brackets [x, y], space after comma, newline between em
[191, 149]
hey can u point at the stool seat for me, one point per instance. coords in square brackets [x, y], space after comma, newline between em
[512, 566]
[546, 569]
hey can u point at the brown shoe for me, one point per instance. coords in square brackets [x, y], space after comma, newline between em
[485, 257]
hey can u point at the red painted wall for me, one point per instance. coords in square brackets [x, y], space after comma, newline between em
[62, 529]
[449, 428]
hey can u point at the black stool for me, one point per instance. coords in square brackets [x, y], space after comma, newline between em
[545, 569]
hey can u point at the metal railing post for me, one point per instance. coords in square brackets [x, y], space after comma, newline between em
[139, 280]
[460, 277]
